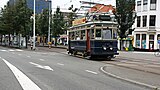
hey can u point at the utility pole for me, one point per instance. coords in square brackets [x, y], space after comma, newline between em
[34, 14]
[49, 17]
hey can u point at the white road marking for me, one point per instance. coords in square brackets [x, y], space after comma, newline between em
[11, 50]
[3, 50]
[60, 64]
[28, 56]
[41, 59]
[44, 53]
[18, 50]
[91, 72]
[25, 82]
[128, 80]
[144, 52]
[40, 66]
[19, 54]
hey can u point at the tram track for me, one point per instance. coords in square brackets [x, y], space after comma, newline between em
[130, 63]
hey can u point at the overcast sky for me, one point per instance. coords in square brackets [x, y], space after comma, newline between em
[66, 3]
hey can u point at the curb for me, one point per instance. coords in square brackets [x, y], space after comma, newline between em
[135, 69]
[129, 80]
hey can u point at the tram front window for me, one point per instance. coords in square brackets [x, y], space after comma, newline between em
[106, 34]
[98, 34]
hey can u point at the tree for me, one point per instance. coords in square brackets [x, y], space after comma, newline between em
[7, 19]
[15, 18]
[58, 24]
[125, 15]
[42, 24]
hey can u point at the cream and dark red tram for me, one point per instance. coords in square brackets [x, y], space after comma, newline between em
[94, 39]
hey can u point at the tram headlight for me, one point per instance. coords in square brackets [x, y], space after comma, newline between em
[104, 48]
[111, 48]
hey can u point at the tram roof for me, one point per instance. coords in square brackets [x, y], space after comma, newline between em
[95, 22]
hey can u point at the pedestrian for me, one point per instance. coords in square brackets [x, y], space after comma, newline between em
[31, 45]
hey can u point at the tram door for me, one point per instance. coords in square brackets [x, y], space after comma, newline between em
[88, 41]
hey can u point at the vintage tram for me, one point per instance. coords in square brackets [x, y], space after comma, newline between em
[94, 39]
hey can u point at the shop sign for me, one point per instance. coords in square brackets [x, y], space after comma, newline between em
[79, 21]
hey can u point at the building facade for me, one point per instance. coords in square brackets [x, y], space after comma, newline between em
[40, 5]
[147, 25]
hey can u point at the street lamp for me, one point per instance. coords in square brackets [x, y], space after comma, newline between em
[49, 24]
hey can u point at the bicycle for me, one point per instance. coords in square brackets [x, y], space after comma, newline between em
[157, 53]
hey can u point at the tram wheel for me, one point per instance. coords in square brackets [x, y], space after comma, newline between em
[74, 53]
[109, 58]
[84, 54]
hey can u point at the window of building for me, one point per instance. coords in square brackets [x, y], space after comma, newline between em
[158, 37]
[151, 37]
[138, 21]
[152, 21]
[137, 36]
[153, 4]
[158, 41]
[138, 6]
[153, 1]
[137, 40]
[145, 2]
[144, 21]
[143, 36]
[143, 41]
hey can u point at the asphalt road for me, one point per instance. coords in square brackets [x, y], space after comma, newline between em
[54, 71]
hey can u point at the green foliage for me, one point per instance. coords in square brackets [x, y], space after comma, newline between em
[43, 22]
[125, 15]
[58, 23]
[71, 18]
[15, 18]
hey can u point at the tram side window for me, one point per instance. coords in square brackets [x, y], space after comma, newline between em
[83, 36]
[92, 34]
[107, 34]
[98, 34]
[72, 35]
[114, 34]
[77, 35]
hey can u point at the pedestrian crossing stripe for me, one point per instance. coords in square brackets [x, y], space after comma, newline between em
[11, 50]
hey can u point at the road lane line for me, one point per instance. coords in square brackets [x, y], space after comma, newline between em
[28, 56]
[91, 72]
[60, 64]
[19, 50]
[25, 82]
[3, 50]
[19, 54]
[11, 50]
[41, 59]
